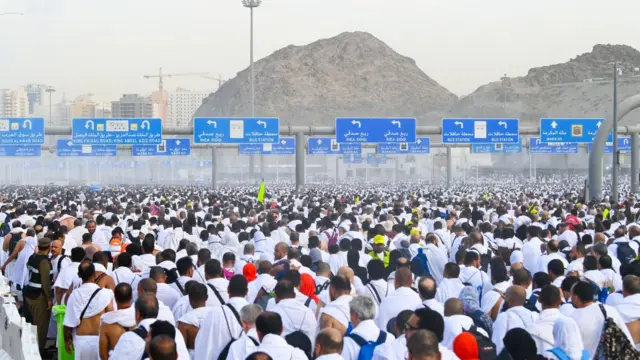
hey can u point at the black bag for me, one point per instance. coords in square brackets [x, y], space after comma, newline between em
[264, 299]
[486, 348]
[531, 303]
[625, 253]
[485, 259]
[614, 344]
[225, 351]
[301, 341]
[15, 238]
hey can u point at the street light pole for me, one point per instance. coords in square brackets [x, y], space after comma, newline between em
[251, 4]
[614, 168]
[50, 90]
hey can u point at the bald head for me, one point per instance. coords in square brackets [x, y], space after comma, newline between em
[404, 278]
[600, 238]
[329, 341]
[347, 272]
[515, 296]
[453, 306]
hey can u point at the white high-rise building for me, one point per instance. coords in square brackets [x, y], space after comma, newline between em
[14, 102]
[60, 113]
[36, 95]
[182, 106]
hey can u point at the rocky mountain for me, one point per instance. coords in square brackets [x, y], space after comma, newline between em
[352, 74]
[581, 87]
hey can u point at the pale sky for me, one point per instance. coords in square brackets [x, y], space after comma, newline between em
[106, 46]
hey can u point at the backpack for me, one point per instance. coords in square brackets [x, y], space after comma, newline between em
[300, 340]
[614, 344]
[264, 299]
[531, 303]
[367, 347]
[485, 259]
[625, 253]
[476, 316]
[4, 229]
[419, 262]
[225, 351]
[15, 238]
[142, 333]
[486, 348]
[333, 238]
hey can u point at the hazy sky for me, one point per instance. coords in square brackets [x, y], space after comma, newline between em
[105, 46]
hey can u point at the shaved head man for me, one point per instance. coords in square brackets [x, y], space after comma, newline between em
[453, 306]
[328, 341]
[514, 315]
[404, 298]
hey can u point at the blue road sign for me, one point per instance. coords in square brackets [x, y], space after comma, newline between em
[352, 159]
[19, 150]
[480, 131]
[421, 146]
[284, 146]
[570, 130]
[168, 147]
[329, 146]
[538, 147]
[236, 130]
[497, 148]
[21, 131]
[66, 148]
[118, 131]
[375, 130]
[624, 146]
[376, 159]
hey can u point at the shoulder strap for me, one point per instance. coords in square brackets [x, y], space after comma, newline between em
[308, 302]
[235, 313]
[141, 331]
[215, 291]
[89, 302]
[604, 312]
[358, 339]
[254, 341]
[381, 338]
[100, 277]
[62, 257]
[375, 292]
[181, 288]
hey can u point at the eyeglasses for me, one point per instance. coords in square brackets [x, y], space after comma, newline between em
[408, 327]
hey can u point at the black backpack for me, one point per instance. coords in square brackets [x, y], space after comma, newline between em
[613, 342]
[625, 253]
[485, 259]
[225, 351]
[531, 303]
[486, 348]
[299, 340]
[4, 229]
[15, 238]
[264, 299]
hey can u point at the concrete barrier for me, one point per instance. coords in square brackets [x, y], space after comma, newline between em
[18, 339]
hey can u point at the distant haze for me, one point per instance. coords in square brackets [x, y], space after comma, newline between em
[105, 47]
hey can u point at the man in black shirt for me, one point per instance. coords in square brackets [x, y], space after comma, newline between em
[38, 292]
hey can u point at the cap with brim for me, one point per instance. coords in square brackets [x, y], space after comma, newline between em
[378, 240]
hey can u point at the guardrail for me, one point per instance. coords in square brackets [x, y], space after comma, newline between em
[18, 338]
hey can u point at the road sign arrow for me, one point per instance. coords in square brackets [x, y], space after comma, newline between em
[69, 143]
[145, 125]
[502, 123]
[554, 124]
[86, 125]
[283, 142]
[211, 122]
[419, 141]
[263, 123]
[319, 142]
[459, 123]
[356, 122]
[625, 141]
[396, 122]
[599, 123]
[24, 124]
[178, 142]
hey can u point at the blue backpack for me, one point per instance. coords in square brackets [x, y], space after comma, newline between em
[419, 264]
[367, 347]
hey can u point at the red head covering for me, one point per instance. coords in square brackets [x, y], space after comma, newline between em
[465, 346]
[249, 271]
[308, 286]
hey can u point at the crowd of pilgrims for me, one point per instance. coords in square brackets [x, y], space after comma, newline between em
[498, 270]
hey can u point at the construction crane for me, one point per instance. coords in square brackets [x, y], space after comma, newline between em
[161, 76]
[216, 78]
